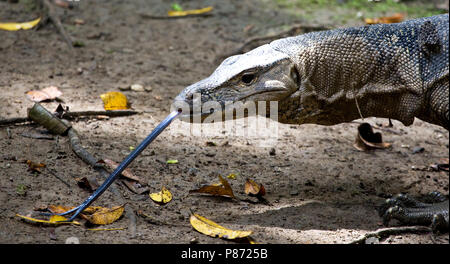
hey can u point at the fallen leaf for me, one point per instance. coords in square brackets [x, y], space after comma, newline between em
[231, 176]
[62, 3]
[54, 220]
[35, 167]
[172, 161]
[176, 7]
[104, 216]
[395, 18]
[163, 197]
[88, 183]
[48, 93]
[59, 209]
[114, 101]
[254, 189]
[221, 189]
[18, 26]
[210, 228]
[112, 165]
[78, 21]
[173, 13]
[366, 139]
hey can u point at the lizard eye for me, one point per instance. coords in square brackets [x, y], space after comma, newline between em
[248, 78]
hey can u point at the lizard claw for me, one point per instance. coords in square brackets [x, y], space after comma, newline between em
[410, 211]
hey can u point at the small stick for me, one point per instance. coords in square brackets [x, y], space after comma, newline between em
[73, 115]
[384, 232]
[55, 20]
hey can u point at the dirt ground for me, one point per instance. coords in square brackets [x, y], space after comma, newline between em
[321, 189]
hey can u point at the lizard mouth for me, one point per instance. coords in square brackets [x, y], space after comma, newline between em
[189, 115]
[272, 90]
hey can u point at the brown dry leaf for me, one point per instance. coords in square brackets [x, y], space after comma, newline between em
[254, 189]
[114, 101]
[210, 228]
[88, 183]
[163, 197]
[395, 18]
[49, 93]
[59, 209]
[112, 165]
[367, 140]
[222, 189]
[104, 216]
[35, 167]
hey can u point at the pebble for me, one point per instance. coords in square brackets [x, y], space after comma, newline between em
[272, 152]
[372, 240]
[418, 149]
[137, 87]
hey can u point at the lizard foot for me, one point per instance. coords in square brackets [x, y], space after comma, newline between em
[409, 211]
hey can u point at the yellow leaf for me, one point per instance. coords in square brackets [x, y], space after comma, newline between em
[210, 228]
[190, 12]
[164, 196]
[104, 216]
[54, 220]
[114, 101]
[18, 26]
[231, 176]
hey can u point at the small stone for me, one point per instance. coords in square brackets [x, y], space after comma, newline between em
[418, 149]
[193, 171]
[272, 152]
[194, 241]
[137, 87]
[148, 88]
[293, 192]
[372, 240]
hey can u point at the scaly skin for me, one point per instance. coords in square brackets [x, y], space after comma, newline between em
[397, 71]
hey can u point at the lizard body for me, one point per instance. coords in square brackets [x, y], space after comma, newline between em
[398, 71]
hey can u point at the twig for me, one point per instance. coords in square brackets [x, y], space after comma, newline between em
[111, 113]
[384, 232]
[72, 115]
[59, 178]
[55, 20]
[15, 120]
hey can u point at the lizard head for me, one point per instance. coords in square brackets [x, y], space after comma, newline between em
[262, 74]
